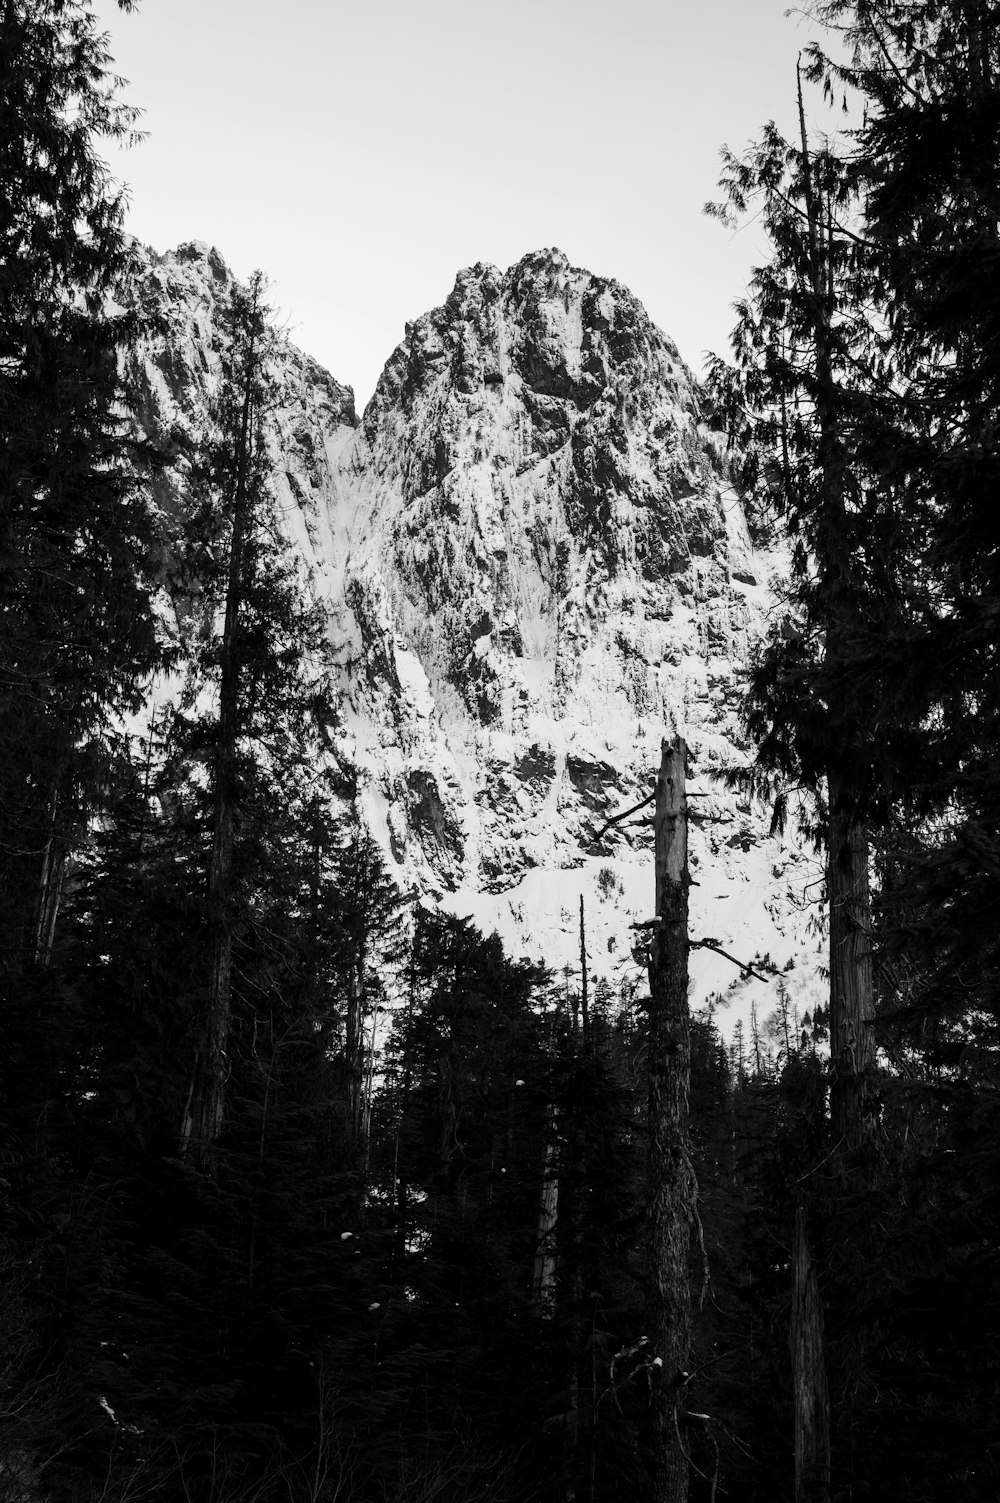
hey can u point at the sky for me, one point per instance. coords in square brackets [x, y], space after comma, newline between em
[361, 154]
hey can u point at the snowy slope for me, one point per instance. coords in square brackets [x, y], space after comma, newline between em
[535, 567]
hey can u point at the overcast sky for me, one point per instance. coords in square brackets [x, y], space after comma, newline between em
[361, 154]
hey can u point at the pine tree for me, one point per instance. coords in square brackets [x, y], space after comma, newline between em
[806, 381]
[76, 644]
[237, 472]
[75, 634]
[928, 158]
[811, 389]
[462, 1162]
[914, 338]
[262, 748]
[365, 945]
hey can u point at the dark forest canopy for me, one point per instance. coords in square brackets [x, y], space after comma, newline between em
[311, 1193]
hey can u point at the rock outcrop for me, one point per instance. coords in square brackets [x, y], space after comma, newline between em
[535, 566]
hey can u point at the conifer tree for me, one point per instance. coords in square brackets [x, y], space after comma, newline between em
[927, 160]
[807, 381]
[468, 1149]
[260, 752]
[237, 471]
[75, 634]
[797, 397]
[365, 940]
[927, 157]
[915, 350]
[76, 644]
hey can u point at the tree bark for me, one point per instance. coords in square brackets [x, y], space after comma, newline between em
[354, 1050]
[584, 993]
[670, 1182]
[848, 896]
[812, 1400]
[544, 1279]
[50, 885]
[575, 1181]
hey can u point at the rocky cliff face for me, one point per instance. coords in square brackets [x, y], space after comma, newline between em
[173, 378]
[535, 567]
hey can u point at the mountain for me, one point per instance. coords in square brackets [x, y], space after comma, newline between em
[535, 566]
[173, 378]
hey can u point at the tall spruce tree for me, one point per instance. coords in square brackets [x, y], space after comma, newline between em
[76, 643]
[914, 338]
[807, 377]
[804, 380]
[928, 157]
[75, 636]
[228, 1293]
[259, 751]
[928, 160]
[236, 471]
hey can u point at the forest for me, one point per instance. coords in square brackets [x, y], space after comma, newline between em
[535, 1246]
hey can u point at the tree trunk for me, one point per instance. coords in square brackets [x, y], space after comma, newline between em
[584, 994]
[851, 996]
[50, 886]
[354, 1050]
[851, 1003]
[574, 1190]
[670, 1183]
[575, 1183]
[359, 1049]
[544, 1280]
[812, 1400]
[203, 1125]
[851, 1050]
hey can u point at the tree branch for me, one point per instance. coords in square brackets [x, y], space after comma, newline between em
[616, 819]
[742, 966]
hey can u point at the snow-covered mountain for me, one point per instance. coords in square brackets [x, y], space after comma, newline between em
[535, 567]
[173, 377]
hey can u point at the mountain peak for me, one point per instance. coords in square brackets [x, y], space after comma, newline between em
[200, 253]
[547, 569]
[534, 566]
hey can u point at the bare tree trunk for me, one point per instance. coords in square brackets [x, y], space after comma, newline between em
[670, 1182]
[584, 994]
[544, 1280]
[574, 1194]
[812, 1400]
[50, 888]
